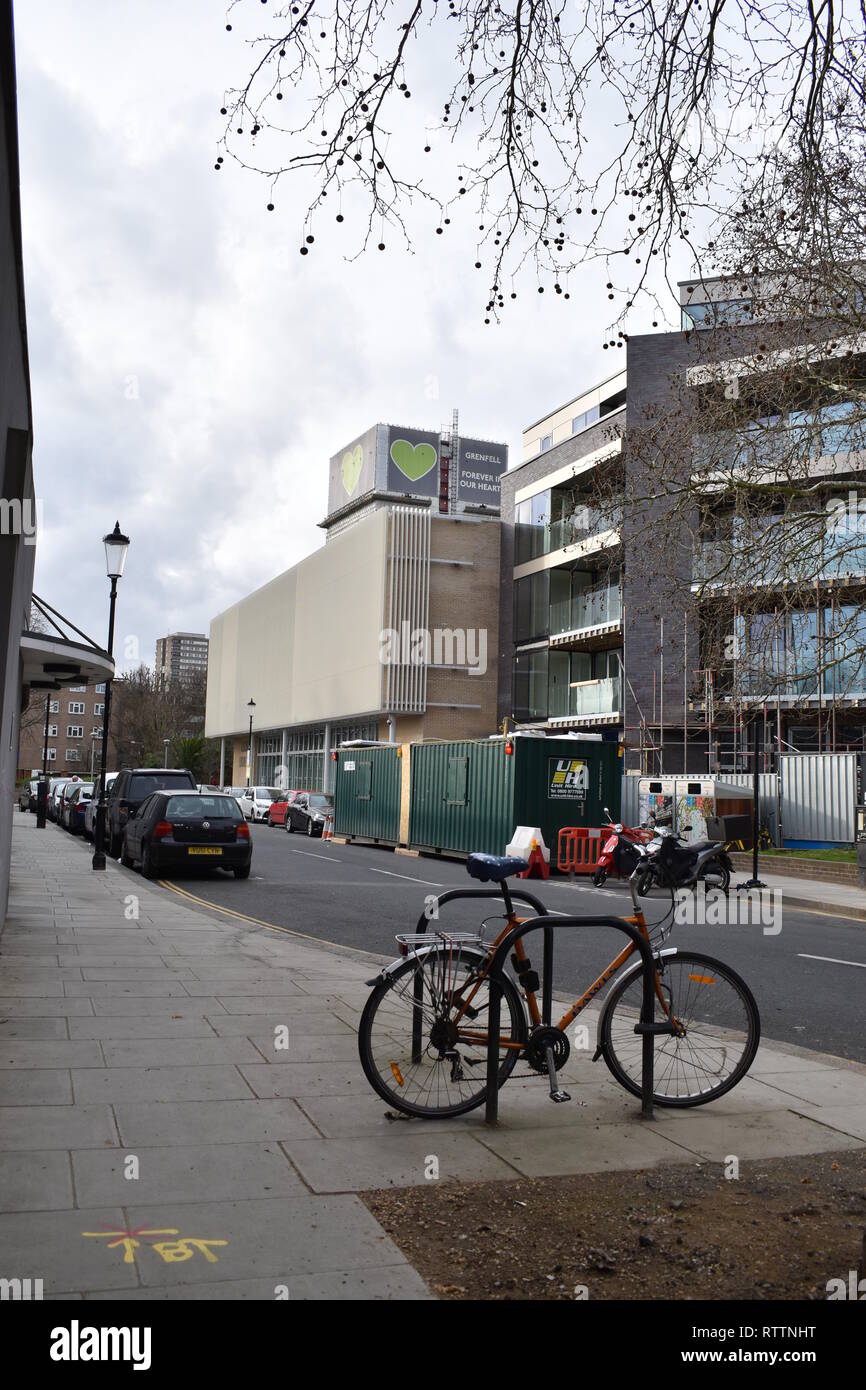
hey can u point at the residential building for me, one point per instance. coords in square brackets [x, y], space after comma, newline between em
[388, 631]
[561, 634]
[181, 656]
[74, 742]
[674, 631]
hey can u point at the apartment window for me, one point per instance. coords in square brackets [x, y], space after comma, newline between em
[546, 443]
[532, 607]
[588, 417]
[530, 684]
[96, 731]
[100, 689]
[728, 311]
[52, 755]
[98, 709]
[73, 755]
[76, 706]
[77, 687]
[523, 532]
[52, 730]
[75, 731]
[54, 707]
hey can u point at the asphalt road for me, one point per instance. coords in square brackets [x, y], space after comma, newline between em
[361, 896]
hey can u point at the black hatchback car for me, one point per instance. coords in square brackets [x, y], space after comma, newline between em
[172, 830]
[130, 788]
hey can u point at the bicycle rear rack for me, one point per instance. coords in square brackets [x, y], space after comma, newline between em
[409, 941]
[645, 1028]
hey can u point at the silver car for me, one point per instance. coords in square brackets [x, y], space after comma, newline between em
[90, 811]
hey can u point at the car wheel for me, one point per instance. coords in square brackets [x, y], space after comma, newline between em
[310, 829]
[243, 872]
[148, 868]
[115, 844]
[126, 859]
[289, 825]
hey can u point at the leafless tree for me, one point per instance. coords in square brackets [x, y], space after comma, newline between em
[547, 134]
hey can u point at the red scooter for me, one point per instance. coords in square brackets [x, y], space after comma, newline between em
[619, 857]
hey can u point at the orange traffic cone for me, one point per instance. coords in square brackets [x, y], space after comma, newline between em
[538, 865]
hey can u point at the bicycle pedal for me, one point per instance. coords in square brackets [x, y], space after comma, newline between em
[559, 1096]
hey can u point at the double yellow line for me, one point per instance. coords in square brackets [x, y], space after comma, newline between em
[258, 922]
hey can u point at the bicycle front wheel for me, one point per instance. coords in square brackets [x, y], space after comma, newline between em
[422, 1038]
[720, 1025]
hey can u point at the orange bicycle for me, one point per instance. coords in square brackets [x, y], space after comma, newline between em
[423, 1038]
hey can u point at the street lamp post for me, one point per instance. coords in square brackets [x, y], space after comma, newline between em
[252, 708]
[165, 743]
[116, 546]
[42, 788]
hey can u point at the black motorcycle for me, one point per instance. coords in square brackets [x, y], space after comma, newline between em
[668, 862]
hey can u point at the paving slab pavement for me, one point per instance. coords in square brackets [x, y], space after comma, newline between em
[156, 1142]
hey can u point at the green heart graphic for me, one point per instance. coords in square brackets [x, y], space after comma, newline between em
[353, 460]
[413, 460]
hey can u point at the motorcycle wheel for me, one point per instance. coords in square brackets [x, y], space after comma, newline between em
[715, 876]
[599, 877]
[644, 882]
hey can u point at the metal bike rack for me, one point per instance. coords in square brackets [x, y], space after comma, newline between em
[646, 1027]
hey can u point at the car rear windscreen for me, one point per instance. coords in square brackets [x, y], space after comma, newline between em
[143, 783]
[200, 808]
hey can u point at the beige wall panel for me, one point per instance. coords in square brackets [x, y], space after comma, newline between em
[338, 619]
[306, 645]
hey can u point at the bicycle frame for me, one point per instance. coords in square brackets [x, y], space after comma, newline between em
[536, 1015]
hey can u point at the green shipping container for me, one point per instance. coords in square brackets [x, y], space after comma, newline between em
[367, 793]
[470, 796]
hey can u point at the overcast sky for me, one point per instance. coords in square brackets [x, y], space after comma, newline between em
[192, 374]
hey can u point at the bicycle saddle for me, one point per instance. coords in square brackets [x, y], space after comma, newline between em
[494, 867]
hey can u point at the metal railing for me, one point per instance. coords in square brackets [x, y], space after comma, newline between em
[646, 1027]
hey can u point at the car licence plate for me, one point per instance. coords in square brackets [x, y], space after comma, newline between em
[198, 849]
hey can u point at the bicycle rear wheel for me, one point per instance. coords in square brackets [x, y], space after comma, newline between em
[721, 1030]
[420, 1052]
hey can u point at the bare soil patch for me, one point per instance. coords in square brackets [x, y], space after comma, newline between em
[780, 1231]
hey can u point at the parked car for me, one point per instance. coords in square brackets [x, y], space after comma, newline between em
[309, 811]
[63, 794]
[27, 796]
[277, 809]
[55, 787]
[89, 830]
[171, 830]
[131, 787]
[75, 806]
[255, 802]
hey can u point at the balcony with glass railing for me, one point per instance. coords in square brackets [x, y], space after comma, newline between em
[600, 699]
[579, 526]
[794, 552]
[589, 609]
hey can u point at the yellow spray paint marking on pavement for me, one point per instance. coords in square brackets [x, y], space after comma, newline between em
[171, 1251]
